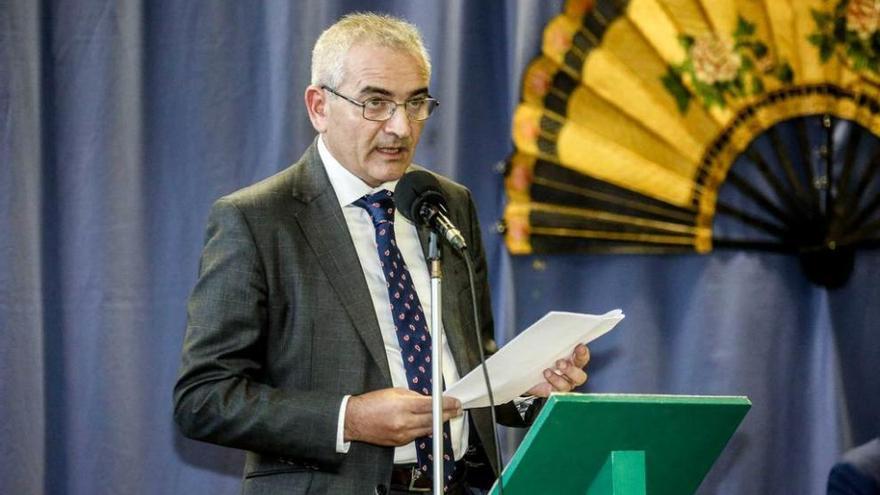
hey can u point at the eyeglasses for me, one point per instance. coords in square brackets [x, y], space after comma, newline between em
[382, 109]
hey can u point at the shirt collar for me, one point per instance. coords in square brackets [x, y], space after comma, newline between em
[349, 187]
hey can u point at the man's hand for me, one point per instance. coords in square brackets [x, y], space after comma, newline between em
[567, 375]
[393, 416]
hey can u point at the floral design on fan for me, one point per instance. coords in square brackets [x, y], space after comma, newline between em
[715, 59]
[718, 68]
[851, 30]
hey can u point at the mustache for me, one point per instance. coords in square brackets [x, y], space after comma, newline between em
[404, 143]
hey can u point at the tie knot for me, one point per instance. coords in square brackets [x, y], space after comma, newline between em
[379, 205]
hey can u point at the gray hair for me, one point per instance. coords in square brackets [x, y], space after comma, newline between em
[329, 54]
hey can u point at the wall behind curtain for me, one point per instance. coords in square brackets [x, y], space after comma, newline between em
[121, 122]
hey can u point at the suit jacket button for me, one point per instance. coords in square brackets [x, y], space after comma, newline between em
[381, 490]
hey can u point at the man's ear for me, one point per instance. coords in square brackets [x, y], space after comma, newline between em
[316, 104]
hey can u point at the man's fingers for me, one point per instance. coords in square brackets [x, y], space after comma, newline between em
[575, 376]
[581, 355]
[451, 403]
[541, 390]
[572, 375]
[566, 375]
[558, 382]
[421, 404]
[451, 409]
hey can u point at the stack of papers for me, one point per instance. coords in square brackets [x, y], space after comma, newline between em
[519, 365]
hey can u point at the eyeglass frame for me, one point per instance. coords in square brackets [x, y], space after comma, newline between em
[432, 102]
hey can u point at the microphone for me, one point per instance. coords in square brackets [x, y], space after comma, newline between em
[419, 198]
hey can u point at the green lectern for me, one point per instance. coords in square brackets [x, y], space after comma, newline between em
[620, 444]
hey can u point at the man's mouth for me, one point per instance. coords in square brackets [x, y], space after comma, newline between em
[391, 151]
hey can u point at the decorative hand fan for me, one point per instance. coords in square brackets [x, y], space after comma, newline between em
[660, 126]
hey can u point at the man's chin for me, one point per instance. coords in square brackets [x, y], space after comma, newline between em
[390, 170]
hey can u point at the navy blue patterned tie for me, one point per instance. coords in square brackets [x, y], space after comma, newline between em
[409, 320]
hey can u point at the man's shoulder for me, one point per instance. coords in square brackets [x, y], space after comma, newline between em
[282, 186]
[274, 186]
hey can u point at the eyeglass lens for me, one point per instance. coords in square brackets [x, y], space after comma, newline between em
[381, 109]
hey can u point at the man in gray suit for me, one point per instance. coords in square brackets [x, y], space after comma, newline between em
[291, 352]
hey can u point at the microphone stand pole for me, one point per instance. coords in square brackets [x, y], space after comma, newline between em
[436, 362]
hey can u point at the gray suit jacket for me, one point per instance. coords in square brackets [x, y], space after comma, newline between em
[281, 326]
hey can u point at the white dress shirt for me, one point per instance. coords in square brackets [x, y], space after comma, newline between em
[349, 188]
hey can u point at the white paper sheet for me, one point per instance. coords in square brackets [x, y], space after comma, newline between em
[518, 366]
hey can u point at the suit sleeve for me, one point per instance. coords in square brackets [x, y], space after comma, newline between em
[219, 396]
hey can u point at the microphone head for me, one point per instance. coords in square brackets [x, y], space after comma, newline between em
[415, 189]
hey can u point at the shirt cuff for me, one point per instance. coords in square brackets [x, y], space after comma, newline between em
[341, 445]
[523, 404]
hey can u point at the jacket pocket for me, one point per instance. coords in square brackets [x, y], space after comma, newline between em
[272, 481]
[270, 472]
[278, 466]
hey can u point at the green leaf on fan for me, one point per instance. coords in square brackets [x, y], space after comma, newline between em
[759, 49]
[859, 62]
[711, 96]
[686, 41]
[818, 39]
[687, 66]
[826, 49]
[858, 55]
[757, 86]
[784, 73]
[839, 32]
[737, 87]
[672, 83]
[743, 28]
[822, 18]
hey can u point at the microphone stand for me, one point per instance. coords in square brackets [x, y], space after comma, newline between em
[436, 361]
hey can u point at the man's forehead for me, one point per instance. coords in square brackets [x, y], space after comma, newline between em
[383, 70]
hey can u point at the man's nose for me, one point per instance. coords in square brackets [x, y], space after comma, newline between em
[399, 124]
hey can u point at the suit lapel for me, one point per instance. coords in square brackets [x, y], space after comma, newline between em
[328, 236]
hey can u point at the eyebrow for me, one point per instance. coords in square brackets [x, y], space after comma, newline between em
[375, 90]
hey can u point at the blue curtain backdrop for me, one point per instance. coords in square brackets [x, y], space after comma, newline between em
[121, 122]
